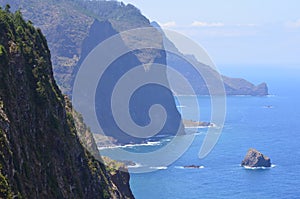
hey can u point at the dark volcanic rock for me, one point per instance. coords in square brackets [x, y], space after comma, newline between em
[255, 158]
[192, 167]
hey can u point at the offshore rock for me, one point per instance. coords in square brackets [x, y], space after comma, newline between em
[255, 158]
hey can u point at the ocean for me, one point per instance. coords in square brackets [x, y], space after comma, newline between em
[269, 124]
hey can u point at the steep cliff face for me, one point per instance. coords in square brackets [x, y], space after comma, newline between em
[141, 100]
[67, 23]
[41, 155]
[74, 27]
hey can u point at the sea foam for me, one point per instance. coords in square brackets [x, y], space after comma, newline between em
[259, 168]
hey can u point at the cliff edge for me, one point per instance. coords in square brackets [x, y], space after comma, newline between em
[41, 155]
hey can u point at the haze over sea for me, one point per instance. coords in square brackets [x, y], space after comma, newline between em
[269, 124]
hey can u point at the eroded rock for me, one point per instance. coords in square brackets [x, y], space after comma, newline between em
[255, 158]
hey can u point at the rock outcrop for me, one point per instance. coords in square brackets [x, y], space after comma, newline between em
[255, 158]
[238, 86]
[41, 154]
[192, 123]
[192, 166]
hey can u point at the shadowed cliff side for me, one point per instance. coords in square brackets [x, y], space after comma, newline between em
[74, 27]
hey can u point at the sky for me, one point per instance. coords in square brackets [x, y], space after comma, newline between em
[234, 32]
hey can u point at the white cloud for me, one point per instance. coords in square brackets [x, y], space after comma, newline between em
[294, 24]
[206, 24]
[246, 25]
[219, 24]
[170, 24]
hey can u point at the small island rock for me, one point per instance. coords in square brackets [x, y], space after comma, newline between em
[192, 166]
[255, 158]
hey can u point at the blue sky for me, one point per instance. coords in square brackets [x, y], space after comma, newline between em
[234, 32]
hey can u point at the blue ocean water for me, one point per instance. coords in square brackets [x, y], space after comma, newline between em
[270, 124]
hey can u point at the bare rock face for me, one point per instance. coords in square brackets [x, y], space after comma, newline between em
[255, 158]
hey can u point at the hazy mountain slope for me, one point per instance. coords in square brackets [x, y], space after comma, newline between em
[233, 86]
[74, 28]
[67, 23]
[185, 65]
[40, 153]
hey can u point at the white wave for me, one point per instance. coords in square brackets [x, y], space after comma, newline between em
[182, 167]
[203, 127]
[159, 168]
[180, 106]
[257, 168]
[132, 145]
[143, 144]
[166, 140]
[197, 127]
[109, 147]
[162, 136]
[152, 143]
[137, 165]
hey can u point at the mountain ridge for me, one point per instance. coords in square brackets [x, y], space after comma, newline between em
[185, 64]
[74, 27]
[66, 39]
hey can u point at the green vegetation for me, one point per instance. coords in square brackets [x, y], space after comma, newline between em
[43, 156]
[113, 10]
[113, 165]
[2, 51]
[5, 190]
[23, 38]
[67, 23]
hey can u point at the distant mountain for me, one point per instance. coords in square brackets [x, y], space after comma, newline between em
[68, 23]
[41, 153]
[185, 65]
[233, 86]
[73, 28]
